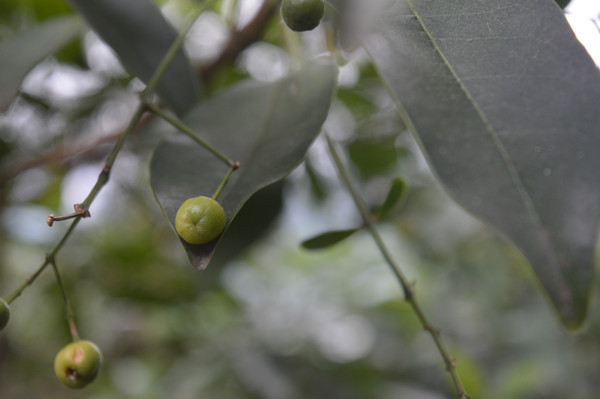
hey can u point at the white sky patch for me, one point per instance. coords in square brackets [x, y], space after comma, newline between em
[584, 17]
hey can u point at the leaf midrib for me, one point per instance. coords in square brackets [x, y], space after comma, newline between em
[512, 170]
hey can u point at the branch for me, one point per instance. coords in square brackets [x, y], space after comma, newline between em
[407, 287]
[238, 42]
[241, 39]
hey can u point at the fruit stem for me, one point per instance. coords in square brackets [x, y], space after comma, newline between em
[407, 287]
[189, 132]
[225, 180]
[68, 310]
[16, 293]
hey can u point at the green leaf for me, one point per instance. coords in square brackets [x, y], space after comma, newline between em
[140, 35]
[374, 156]
[328, 239]
[267, 127]
[505, 102]
[23, 51]
[395, 194]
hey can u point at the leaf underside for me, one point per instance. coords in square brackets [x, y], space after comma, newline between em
[140, 35]
[20, 53]
[267, 127]
[506, 105]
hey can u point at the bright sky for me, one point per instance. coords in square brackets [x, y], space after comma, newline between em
[584, 17]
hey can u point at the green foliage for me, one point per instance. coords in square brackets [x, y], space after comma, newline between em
[499, 98]
[328, 239]
[265, 127]
[495, 156]
[4, 314]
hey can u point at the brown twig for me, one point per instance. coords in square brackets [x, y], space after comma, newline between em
[241, 39]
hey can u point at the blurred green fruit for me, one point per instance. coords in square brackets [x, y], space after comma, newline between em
[302, 15]
[78, 364]
[200, 220]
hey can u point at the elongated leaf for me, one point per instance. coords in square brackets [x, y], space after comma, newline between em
[140, 35]
[506, 104]
[20, 53]
[395, 195]
[267, 127]
[328, 239]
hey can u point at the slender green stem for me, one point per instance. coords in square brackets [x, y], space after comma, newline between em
[16, 293]
[190, 133]
[407, 287]
[68, 310]
[170, 54]
[225, 180]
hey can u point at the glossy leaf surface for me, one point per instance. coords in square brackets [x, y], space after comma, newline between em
[140, 35]
[506, 104]
[20, 53]
[267, 127]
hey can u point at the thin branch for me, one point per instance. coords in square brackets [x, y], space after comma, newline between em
[68, 310]
[241, 39]
[175, 122]
[407, 287]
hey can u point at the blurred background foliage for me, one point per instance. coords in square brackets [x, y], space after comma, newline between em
[267, 319]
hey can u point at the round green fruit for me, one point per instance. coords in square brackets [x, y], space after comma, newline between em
[78, 364]
[4, 314]
[302, 15]
[200, 220]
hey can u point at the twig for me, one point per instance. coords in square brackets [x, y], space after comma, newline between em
[241, 39]
[238, 42]
[175, 122]
[407, 287]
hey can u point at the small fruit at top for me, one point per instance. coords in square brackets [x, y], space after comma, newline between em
[200, 220]
[4, 314]
[302, 15]
[78, 364]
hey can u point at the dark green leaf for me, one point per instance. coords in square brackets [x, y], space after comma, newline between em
[140, 36]
[328, 239]
[268, 127]
[20, 53]
[506, 103]
[396, 193]
[374, 156]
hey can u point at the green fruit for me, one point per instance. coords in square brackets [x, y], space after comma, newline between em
[4, 314]
[302, 15]
[77, 364]
[200, 220]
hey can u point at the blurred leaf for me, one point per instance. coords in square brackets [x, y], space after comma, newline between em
[328, 239]
[20, 53]
[266, 126]
[374, 156]
[140, 36]
[317, 185]
[504, 100]
[395, 194]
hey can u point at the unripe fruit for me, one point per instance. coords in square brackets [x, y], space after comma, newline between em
[200, 220]
[4, 314]
[77, 364]
[302, 15]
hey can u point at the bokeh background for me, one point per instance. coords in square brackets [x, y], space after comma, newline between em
[267, 319]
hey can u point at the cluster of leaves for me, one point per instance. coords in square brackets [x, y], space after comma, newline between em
[502, 141]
